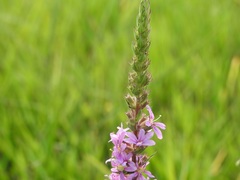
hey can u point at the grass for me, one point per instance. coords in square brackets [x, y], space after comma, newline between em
[63, 77]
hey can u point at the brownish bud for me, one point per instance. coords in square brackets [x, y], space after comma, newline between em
[131, 101]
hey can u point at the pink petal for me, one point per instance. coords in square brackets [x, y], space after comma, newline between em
[141, 177]
[131, 176]
[148, 143]
[161, 125]
[122, 177]
[148, 135]
[151, 115]
[132, 136]
[149, 174]
[130, 169]
[141, 134]
[158, 132]
[148, 123]
[130, 141]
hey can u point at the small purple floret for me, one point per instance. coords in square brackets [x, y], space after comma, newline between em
[156, 126]
[143, 138]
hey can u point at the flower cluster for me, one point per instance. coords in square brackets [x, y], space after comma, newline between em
[127, 161]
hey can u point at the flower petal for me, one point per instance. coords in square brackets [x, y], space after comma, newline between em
[132, 176]
[148, 143]
[132, 136]
[157, 132]
[122, 177]
[148, 135]
[148, 123]
[141, 135]
[130, 141]
[151, 115]
[149, 174]
[161, 125]
[130, 169]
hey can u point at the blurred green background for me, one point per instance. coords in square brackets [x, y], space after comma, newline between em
[63, 78]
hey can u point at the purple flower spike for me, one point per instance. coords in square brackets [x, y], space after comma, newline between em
[128, 159]
[156, 126]
[142, 139]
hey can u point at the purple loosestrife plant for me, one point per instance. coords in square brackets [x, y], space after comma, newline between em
[128, 160]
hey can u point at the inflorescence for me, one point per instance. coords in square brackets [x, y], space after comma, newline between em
[128, 160]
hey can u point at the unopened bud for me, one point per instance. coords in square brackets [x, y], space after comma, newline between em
[130, 115]
[131, 101]
[143, 97]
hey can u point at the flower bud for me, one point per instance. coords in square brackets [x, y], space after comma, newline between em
[131, 101]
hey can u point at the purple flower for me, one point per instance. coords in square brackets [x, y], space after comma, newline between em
[121, 160]
[118, 141]
[120, 164]
[156, 126]
[138, 169]
[116, 176]
[118, 150]
[141, 140]
[118, 138]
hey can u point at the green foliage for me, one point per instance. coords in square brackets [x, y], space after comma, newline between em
[63, 76]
